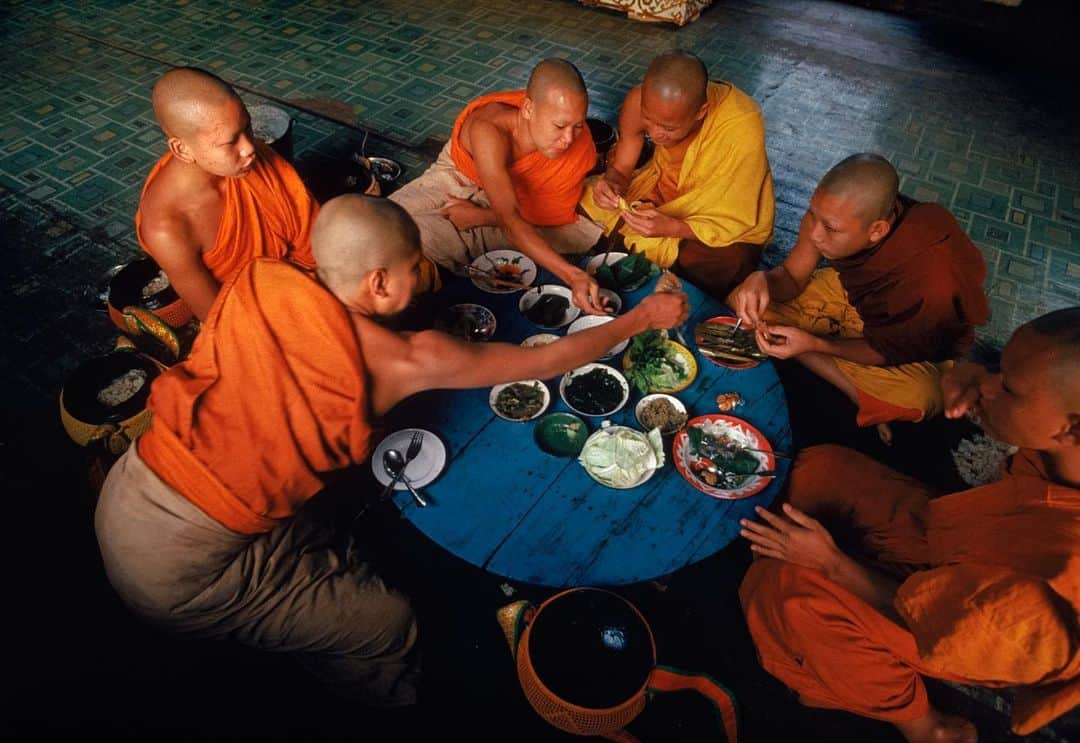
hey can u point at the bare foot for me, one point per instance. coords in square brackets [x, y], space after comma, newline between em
[938, 727]
[884, 432]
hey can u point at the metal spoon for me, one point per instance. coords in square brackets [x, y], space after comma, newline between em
[394, 463]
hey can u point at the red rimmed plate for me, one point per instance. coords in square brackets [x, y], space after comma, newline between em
[725, 320]
[736, 430]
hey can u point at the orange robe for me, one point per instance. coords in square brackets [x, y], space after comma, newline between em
[273, 394]
[266, 213]
[547, 190]
[990, 593]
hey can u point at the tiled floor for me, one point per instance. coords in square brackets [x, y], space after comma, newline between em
[978, 131]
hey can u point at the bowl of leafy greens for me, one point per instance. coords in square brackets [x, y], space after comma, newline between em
[653, 363]
[621, 272]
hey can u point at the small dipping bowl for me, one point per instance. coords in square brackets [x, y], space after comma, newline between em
[675, 402]
[561, 434]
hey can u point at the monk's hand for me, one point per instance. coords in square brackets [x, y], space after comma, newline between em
[465, 215]
[665, 310]
[961, 388]
[606, 193]
[586, 293]
[793, 537]
[750, 299]
[784, 341]
[648, 221]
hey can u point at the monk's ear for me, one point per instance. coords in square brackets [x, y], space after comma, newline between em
[527, 108]
[702, 112]
[879, 228]
[180, 150]
[1070, 436]
[377, 282]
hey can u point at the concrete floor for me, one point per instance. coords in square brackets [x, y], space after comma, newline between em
[968, 124]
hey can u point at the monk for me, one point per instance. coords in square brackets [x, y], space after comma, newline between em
[201, 523]
[706, 196]
[901, 296]
[978, 587]
[511, 177]
[218, 197]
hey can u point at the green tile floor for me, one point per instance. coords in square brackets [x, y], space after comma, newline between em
[977, 131]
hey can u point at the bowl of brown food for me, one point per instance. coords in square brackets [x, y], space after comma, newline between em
[549, 306]
[519, 401]
[665, 412]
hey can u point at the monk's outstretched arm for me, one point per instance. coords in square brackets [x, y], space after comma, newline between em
[404, 365]
[802, 540]
[172, 246]
[491, 153]
[628, 148]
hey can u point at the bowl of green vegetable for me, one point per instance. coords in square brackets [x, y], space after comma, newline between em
[621, 272]
[519, 401]
[656, 364]
[594, 390]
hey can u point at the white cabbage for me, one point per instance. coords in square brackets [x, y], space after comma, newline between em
[620, 457]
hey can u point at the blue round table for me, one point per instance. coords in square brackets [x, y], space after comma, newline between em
[506, 506]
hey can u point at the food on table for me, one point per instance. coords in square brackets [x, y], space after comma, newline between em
[520, 400]
[548, 311]
[728, 401]
[625, 275]
[540, 339]
[720, 461]
[472, 322]
[123, 388]
[156, 285]
[661, 413]
[725, 343]
[621, 457]
[595, 392]
[654, 363]
[561, 434]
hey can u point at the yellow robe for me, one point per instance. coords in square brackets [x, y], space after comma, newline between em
[725, 185]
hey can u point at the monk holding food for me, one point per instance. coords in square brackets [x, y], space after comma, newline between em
[978, 587]
[901, 297]
[703, 205]
[511, 177]
[218, 198]
[201, 523]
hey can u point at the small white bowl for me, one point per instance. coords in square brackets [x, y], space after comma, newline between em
[614, 301]
[540, 339]
[532, 296]
[569, 376]
[544, 391]
[676, 403]
[591, 321]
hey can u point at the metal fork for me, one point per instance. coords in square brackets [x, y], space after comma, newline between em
[415, 444]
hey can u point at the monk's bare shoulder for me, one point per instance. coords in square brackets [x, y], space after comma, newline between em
[177, 217]
[489, 126]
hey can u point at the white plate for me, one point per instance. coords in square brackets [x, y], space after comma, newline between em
[598, 260]
[540, 339]
[494, 395]
[566, 379]
[422, 470]
[493, 259]
[591, 321]
[532, 296]
[605, 431]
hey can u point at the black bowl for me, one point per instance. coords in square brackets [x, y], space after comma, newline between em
[125, 289]
[81, 389]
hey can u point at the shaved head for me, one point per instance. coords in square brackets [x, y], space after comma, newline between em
[677, 76]
[354, 235]
[1059, 332]
[554, 76]
[184, 96]
[869, 179]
